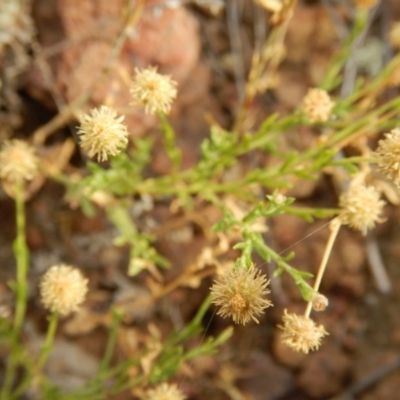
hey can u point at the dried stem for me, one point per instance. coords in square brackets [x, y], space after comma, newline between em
[334, 227]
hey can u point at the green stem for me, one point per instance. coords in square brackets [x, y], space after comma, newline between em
[103, 371]
[173, 151]
[44, 353]
[112, 340]
[128, 385]
[21, 254]
[333, 75]
[353, 160]
[21, 289]
[298, 276]
[48, 344]
[202, 310]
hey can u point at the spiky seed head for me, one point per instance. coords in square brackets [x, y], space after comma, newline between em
[153, 91]
[164, 391]
[361, 207]
[102, 133]
[301, 333]
[18, 161]
[388, 153]
[317, 105]
[239, 292]
[63, 289]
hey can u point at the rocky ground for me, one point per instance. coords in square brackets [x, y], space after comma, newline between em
[198, 46]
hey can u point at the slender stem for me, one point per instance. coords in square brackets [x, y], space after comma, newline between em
[334, 227]
[353, 160]
[44, 353]
[174, 153]
[111, 343]
[21, 255]
[103, 370]
[48, 343]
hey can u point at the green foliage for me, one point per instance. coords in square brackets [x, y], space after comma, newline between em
[142, 254]
[174, 353]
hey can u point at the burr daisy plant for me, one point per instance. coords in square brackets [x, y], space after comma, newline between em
[117, 179]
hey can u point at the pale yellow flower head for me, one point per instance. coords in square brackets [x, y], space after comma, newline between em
[153, 91]
[301, 333]
[317, 105]
[63, 289]
[18, 161]
[361, 207]
[102, 133]
[239, 292]
[164, 391]
[388, 153]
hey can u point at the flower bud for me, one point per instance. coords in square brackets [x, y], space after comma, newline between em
[319, 302]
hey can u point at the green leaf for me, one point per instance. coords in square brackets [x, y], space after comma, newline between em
[227, 222]
[290, 161]
[278, 272]
[289, 256]
[350, 168]
[87, 207]
[210, 346]
[323, 159]
[305, 289]
[306, 174]
[305, 274]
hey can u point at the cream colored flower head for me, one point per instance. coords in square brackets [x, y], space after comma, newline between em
[361, 207]
[102, 133]
[164, 391]
[18, 161]
[388, 153]
[153, 91]
[317, 105]
[301, 333]
[239, 292]
[63, 289]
